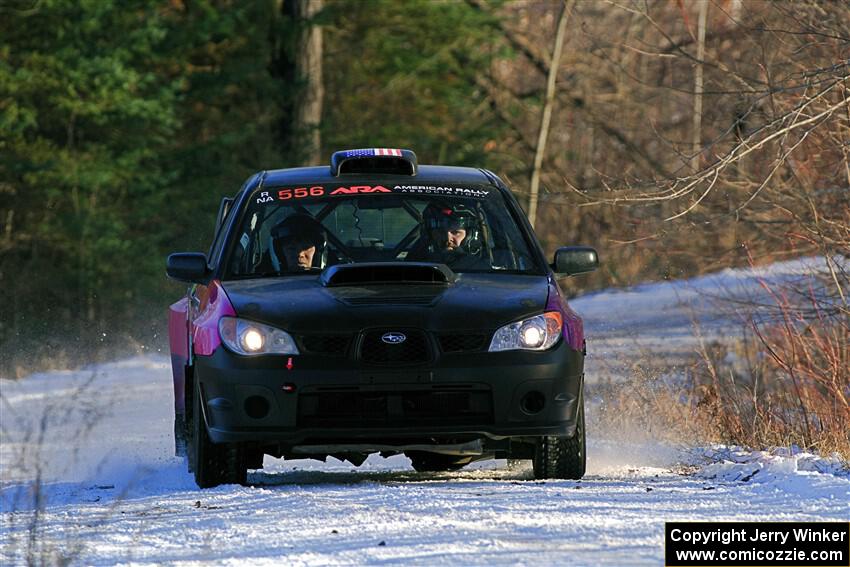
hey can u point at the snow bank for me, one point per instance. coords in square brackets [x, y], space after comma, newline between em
[806, 476]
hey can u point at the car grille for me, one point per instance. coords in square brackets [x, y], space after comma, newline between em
[381, 409]
[328, 345]
[465, 342]
[414, 350]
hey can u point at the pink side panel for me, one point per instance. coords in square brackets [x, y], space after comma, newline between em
[573, 325]
[214, 306]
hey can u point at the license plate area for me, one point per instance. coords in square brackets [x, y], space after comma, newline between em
[377, 406]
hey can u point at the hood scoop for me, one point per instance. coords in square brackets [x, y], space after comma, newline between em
[387, 273]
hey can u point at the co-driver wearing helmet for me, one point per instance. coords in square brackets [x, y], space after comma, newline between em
[450, 236]
[296, 242]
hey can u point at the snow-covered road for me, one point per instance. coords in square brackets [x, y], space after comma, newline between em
[97, 445]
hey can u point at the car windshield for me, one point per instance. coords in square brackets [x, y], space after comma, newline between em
[298, 230]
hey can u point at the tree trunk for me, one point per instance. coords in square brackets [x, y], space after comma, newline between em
[547, 109]
[696, 148]
[308, 71]
[297, 64]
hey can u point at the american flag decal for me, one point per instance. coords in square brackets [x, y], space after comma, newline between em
[373, 152]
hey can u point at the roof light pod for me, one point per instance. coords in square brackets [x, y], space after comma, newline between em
[374, 160]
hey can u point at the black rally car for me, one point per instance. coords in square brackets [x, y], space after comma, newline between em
[376, 305]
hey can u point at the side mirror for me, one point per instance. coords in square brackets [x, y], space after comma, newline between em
[572, 260]
[189, 267]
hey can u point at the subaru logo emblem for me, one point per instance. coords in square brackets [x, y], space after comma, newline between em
[393, 338]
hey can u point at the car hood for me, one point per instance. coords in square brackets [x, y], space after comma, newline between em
[301, 304]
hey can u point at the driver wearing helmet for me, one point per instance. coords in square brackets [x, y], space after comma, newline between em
[450, 235]
[298, 243]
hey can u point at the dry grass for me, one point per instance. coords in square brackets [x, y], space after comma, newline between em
[784, 381]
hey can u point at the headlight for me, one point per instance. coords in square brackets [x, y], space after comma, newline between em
[537, 333]
[248, 337]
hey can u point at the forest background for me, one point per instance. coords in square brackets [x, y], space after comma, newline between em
[677, 137]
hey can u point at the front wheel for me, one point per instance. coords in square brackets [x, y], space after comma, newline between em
[562, 457]
[213, 464]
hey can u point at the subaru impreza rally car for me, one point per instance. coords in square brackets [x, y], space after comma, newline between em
[376, 305]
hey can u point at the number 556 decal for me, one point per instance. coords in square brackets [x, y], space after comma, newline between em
[300, 193]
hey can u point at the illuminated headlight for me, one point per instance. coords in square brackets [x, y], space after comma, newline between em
[537, 333]
[248, 337]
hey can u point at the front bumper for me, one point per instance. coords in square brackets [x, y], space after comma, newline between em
[317, 401]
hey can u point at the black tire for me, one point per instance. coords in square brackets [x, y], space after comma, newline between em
[562, 457]
[213, 464]
[424, 461]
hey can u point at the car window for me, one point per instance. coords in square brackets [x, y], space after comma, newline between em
[297, 230]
